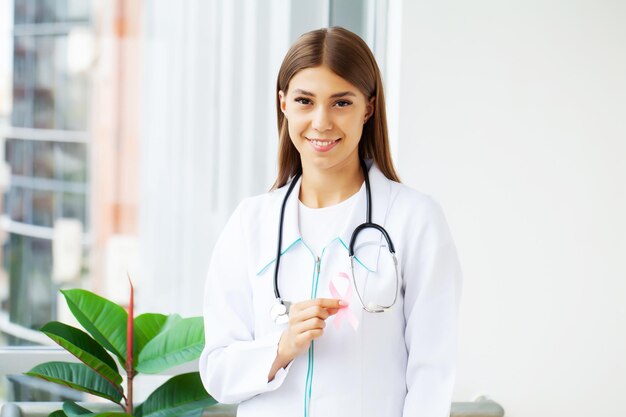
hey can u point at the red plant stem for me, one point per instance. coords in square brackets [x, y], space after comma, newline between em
[130, 330]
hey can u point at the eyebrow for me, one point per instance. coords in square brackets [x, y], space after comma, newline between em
[308, 93]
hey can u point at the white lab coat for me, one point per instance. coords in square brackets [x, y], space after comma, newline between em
[397, 363]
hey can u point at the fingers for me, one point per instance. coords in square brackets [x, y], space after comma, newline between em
[307, 320]
[310, 335]
[312, 311]
[324, 303]
[299, 335]
[332, 311]
[316, 306]
[307, 310]
[314, 323]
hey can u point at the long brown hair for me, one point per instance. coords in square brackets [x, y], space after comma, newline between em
[348, 56]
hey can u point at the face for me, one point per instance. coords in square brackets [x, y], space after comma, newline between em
[325, 115]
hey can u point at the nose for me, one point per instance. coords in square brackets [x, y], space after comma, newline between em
[321, 120]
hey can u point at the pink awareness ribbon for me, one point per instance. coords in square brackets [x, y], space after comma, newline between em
[344, 312]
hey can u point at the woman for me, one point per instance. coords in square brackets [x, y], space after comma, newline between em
[308, 330]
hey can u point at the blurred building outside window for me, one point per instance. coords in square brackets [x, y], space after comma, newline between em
[68, 122]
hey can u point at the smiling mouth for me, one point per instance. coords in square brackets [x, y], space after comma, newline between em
[323, 145]
[322, 142]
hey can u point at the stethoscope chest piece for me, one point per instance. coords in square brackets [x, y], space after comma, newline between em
[280, 311]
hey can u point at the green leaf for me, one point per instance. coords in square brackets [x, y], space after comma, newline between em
[108, 414]
[58, 413]
[179, 396]
[103, 319]
[150, 325]
[74, 410]
[194, 413]
[81, 345]
[147, 326]
[176, 344]
[77, 376]
[172, 320]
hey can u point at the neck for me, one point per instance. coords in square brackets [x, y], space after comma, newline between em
[327, 187]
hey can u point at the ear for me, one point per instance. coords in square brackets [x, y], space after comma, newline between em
[369, 109]
[283, 101]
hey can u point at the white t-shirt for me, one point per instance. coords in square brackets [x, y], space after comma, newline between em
[318, 226]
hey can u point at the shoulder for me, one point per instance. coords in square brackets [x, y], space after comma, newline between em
[258, 215]
[412, 201]
[403, 202]
[417, 213]
[251, 207]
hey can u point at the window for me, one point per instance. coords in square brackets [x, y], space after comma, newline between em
[46, 149]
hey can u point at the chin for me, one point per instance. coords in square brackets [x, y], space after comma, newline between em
[325, 162]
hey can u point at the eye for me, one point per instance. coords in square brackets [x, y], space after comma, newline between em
[343, 103]
[302, 100]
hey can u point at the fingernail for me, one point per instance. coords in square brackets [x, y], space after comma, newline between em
[343, 303]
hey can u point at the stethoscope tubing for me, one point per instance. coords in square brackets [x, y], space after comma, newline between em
[280, 233]
[368, 224]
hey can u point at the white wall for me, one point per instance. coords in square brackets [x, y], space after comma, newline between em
[512, 114]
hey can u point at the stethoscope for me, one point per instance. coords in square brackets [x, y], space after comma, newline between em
[280, 309]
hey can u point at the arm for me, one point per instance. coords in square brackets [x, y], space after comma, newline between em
[234, 365]
[432, 294]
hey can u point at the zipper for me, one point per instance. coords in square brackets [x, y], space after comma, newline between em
[318, 261]
[309, 375]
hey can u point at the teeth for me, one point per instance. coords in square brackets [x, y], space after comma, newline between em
[323, 142]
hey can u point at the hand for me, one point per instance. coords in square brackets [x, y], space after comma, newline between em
[306, 323]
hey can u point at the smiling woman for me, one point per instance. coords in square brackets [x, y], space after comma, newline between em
[270, 298]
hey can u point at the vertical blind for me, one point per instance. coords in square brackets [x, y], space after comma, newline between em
[209, 134]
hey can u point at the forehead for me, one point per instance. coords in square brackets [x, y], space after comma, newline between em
[321, 81]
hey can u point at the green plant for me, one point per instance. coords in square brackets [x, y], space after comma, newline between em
[149, 344]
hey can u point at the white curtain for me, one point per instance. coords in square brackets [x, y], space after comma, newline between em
[208, 134]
